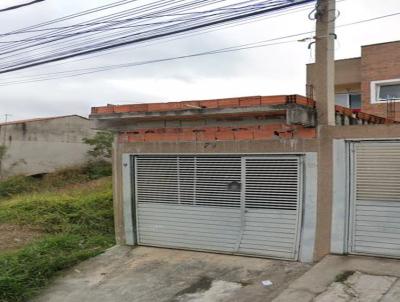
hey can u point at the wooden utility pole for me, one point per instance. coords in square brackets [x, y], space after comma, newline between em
[325, 61]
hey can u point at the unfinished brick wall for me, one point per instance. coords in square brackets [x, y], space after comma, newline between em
[251, 101]
[379, 62]
[167, 124]
[273, 131]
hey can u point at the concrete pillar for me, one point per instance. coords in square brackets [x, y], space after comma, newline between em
[325, 61]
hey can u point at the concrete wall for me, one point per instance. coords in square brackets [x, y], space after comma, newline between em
[43, 146]
[347, 75]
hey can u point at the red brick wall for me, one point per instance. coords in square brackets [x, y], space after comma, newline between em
[379, 62]
[250, 101]
[218, 133]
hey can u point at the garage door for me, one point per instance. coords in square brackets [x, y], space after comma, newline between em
[375, 203]
[231, 204]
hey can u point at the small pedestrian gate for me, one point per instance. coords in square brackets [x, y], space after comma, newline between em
[232, 204]
[375, 198]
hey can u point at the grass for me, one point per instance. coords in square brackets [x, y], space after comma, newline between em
[22, 184]
[77, 222]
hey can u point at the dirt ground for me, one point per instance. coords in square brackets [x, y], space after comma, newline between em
[13, 237]
[145, 274]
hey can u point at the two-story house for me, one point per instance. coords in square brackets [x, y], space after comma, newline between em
[370, 83]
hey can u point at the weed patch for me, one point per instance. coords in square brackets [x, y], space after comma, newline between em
[17, 185]
[76, 175]
[25, 272]
[77, 223]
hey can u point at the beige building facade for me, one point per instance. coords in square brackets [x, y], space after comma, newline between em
[370, 83]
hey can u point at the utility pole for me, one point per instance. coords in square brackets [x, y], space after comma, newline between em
[325, 61]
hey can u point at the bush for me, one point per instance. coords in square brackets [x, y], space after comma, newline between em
[98, 169]
[16, 185]
[100, 145]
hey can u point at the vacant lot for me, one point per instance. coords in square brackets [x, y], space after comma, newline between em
[50, 224]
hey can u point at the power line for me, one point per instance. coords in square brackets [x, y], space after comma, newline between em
[81, 72]
[252, 45]
[176, 26]
[86, 12]
[140, 32]
[20, 5]
[371, 19]
[200, 32]
[141, 9]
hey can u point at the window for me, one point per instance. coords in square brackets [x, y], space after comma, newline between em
[349, 100]
[382, 91]
[342, 99]
[355, 101]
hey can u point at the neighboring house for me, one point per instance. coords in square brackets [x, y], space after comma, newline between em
[44, 145]
[255, 176]
[370, 83]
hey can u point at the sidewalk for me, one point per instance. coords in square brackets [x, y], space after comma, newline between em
[361, 279]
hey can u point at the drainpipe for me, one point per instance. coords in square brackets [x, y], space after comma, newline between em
[325, 61]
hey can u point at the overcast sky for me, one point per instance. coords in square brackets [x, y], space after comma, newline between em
[278, 69]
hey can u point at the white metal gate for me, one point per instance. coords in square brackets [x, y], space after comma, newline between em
[232, 204]
[375, 199]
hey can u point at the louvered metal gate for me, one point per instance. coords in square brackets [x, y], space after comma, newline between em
[272, 209]
[375, 199]
[232, 204]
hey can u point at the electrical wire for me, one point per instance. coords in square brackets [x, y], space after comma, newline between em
[129, 11]
[252, 45]
[81, 72]
[200, 32]
[20, 6]
[110, 36]
[69, 17]
[192, 21]
[370, 19]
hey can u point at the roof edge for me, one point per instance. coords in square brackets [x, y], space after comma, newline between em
[237, 102]
[41, 119]
[381, 43]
